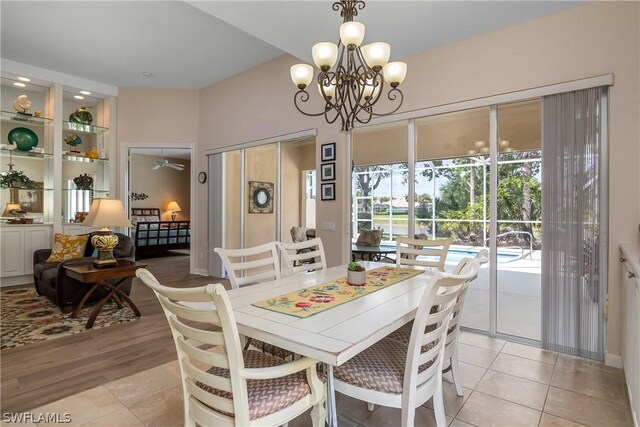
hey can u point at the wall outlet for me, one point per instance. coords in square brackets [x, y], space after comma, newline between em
[329, 226]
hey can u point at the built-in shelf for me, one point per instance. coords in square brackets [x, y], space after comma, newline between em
[77, 189]
[78, 127]
[81, 159]
[30, 189]
[28, 154]
[12, 116]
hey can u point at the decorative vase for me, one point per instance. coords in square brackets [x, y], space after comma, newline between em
[23, 138]
[82, 116]
[92, 154]
[73, 140]
[83, 182]
[356, 278]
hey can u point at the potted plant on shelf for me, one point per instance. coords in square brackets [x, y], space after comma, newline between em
[356, 274]
[15, 179]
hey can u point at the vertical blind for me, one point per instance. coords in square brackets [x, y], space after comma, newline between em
[573, 285]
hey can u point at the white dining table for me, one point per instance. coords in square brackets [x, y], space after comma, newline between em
[335, 335]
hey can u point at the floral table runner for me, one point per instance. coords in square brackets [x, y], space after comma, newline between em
[307, 302]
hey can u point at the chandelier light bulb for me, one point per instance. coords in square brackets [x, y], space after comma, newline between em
[329, 90]
[376, 55]
[370, 89]
[301, 75]
[394, 73]
[325, 55]
[352, 34]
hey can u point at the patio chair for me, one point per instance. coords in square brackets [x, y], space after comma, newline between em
[403, 334]
[222, 384]
[406, 376]
[302, 257]
[250, 265]
[408, 255]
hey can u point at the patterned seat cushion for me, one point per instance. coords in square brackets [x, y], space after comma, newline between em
[265, 396]
[380, 367]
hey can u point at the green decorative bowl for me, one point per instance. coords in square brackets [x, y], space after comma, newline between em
[82, 116]
[23, 138]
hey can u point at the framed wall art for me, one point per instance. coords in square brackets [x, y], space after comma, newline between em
[260, 197]
[328, 171]
[31, 200]
[328, 152]
[328, 191]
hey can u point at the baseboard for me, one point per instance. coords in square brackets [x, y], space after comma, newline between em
[613, 360]
[200, 271]
[16, 280]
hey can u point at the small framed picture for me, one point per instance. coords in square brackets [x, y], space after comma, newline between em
[329, 191]
[328, 152]
[328, 172]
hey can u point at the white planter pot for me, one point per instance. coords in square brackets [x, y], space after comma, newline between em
[356, 277]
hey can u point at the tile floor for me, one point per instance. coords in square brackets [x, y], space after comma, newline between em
[505, 384]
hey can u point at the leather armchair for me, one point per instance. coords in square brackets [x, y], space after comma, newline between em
[51, 280]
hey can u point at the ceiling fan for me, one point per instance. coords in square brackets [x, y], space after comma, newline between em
[162, 162]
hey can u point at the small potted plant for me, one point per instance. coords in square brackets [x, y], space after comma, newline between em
[356, 274]
[15, 179]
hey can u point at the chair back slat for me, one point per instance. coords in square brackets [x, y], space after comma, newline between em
[203, 356]
[214, 401]
[420, 252]
[189, 313]
[301, 257]
[207, 417]
[250, 265]
[211, 380]
[204, 337]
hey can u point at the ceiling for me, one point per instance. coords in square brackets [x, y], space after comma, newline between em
[190, 45]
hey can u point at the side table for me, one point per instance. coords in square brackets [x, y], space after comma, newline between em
[99, 278]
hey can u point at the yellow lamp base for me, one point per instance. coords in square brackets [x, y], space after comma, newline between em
[104, 243]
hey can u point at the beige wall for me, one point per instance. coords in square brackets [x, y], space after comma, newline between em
[295, 157]
[161, 185]
[585, 41]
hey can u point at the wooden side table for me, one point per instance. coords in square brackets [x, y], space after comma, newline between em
[98, 278]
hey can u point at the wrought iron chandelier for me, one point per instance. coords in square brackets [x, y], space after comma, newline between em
[354, 86]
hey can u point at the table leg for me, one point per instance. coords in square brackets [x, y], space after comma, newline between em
[115, 293]
[76, 310]
[332, 413]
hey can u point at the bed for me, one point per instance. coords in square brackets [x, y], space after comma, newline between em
[153, 236]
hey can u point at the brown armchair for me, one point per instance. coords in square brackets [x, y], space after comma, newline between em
[51, 280]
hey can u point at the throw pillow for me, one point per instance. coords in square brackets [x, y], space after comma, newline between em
[68, 247]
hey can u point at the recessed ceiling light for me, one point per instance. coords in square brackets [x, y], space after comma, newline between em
[85, 92]
[19, 84]
[147, 74]
[78, 97]
[24, 79]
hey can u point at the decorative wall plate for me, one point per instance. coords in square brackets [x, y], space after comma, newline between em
[260, 197]
[23, 138]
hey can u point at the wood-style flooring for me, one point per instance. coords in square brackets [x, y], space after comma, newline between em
[43, 372]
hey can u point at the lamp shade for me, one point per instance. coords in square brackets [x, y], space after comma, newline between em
[327, 88]
[12, 209]
[376, 55]
[301, 75]
[107, 213]
[173, 207]
[352, 33]
[324, 54]
[371, 89]
[395, 72]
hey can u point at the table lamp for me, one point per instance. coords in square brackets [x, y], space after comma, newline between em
[173, 207]
[13, 210]
[106, 213]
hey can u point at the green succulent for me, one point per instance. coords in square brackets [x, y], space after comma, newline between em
[8, 178]
[354, 266]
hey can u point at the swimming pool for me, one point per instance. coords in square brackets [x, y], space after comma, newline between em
[455, 255]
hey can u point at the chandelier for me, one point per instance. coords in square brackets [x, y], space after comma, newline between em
[352, 88]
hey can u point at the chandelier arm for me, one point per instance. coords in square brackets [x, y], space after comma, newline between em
[303, 96]
[393, 94]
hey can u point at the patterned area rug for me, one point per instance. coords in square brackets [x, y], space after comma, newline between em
[26, 317]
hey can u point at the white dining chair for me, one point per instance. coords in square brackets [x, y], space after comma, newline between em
[250, 265]
[407, 375]
[412, 252]
[222, 384]
[302, 257]
[403, 334]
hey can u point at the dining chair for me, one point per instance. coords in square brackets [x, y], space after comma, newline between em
[403, 334]
[250, 265]
[222, 384]
[301, 257]
[409, 255]
[407, 375]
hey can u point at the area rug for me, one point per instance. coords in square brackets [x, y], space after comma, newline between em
[26, 317]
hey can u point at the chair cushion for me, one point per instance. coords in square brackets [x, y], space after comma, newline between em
[40, 267]
[265, 396]
[67, 247]
[379, 368]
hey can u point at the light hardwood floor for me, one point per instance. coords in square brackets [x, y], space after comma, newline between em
[43, 372]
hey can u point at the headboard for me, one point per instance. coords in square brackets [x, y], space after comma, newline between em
[144, 214]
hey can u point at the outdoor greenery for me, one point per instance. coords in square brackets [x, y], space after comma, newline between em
[461, 197]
